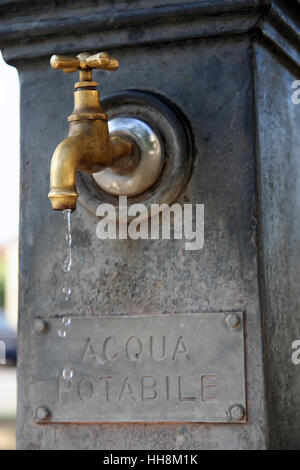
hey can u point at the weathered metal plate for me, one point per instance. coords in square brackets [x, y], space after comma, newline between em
[150, 368]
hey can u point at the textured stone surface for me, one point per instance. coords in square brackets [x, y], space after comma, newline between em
[279, 171]
[139, 277]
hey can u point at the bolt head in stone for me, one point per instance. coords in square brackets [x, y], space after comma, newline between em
[42, 413]
[233, 321]
[40, 326]
[237, 412]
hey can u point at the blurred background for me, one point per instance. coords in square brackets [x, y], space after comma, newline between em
[9, 221]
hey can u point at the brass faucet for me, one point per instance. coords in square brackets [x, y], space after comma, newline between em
[88, 148]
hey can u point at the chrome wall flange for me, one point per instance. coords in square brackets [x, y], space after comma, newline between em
[160, 135]
[140, 175]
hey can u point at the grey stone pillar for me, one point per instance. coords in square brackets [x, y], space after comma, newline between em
[229, 67]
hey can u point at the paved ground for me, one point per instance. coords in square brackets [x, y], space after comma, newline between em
[8, 394]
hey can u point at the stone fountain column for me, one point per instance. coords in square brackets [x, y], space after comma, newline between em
[229, 69]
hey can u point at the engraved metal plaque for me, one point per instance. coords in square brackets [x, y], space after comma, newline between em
[149, 368]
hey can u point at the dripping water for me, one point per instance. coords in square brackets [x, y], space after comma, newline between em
[67, 263]
[68, 259]
[68, 237]
[67, 372]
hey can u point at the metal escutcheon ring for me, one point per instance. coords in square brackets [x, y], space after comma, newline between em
[149, 164]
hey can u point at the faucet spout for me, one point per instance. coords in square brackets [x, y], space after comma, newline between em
[81, 152]
[64, 165]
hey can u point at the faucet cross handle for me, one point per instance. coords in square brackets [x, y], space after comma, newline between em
[84, 63]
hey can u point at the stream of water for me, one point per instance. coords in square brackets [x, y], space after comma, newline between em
[67, 263]
[67, 372]
[68, 259]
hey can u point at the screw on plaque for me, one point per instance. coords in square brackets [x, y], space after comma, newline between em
[233, 321]
[40, 326]
[236, 412]
[42, 413]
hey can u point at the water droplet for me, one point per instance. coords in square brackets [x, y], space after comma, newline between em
[66, 321]
[62, 333]
[67, 292]
[67, 373]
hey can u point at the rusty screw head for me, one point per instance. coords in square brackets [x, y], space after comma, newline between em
[233, 321]
[237, 412]
[42, 413]
[40, 326]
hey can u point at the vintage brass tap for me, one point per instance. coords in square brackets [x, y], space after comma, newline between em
[88, 147]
